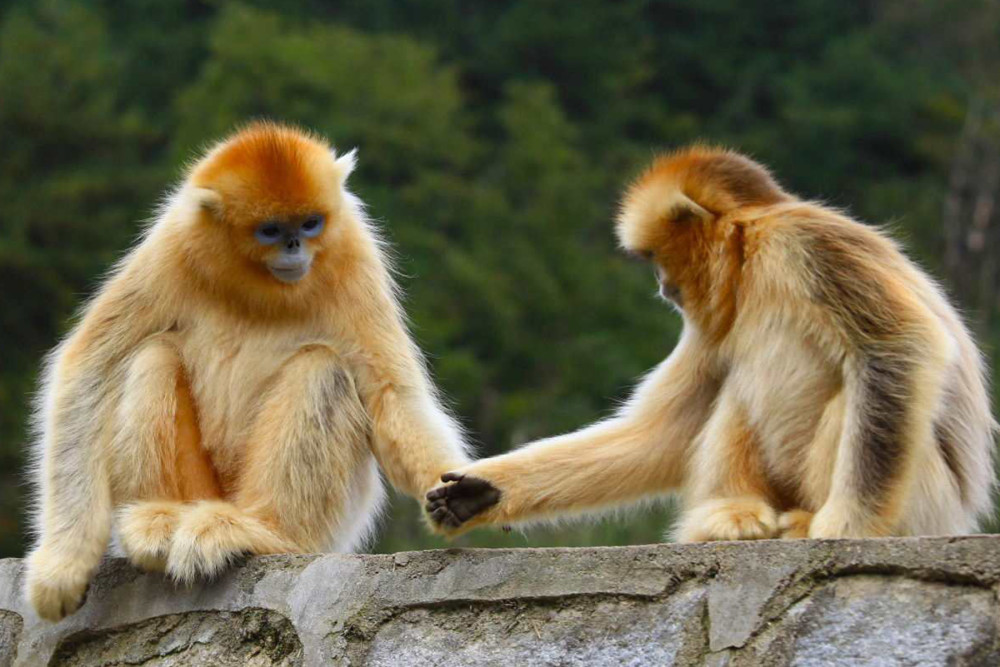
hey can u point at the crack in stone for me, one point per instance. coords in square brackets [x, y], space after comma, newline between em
[205, 637]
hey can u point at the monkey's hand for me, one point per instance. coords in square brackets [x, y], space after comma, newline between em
[460, 499]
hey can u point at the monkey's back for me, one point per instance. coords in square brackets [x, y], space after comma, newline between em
[790, 354]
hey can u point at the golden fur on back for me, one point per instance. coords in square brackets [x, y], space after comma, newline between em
[823, 385]
[205, 409]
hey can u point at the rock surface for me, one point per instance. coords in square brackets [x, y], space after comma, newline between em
[930, 601]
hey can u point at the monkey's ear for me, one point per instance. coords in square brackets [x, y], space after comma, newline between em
[208, 199]
[686, 210]
[346, 162]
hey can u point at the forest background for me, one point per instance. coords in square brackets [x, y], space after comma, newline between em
[495, 138]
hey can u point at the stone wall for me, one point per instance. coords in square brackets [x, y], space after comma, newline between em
[880, 602]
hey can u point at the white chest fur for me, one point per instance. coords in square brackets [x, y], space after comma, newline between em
[230, 367]
[784, 384]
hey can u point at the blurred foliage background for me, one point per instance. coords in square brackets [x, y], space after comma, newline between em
[494, 139]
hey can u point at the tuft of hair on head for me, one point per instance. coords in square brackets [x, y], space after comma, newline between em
[266, 169]
[699, 182]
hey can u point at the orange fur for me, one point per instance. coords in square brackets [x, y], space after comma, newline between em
[220, 410]
[823, 386]
[194, 476]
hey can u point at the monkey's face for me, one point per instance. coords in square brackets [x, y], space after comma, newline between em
[282, 239]
[291, 256]
[674, 233]
[274, 214]
[684, 214]
[669, 290]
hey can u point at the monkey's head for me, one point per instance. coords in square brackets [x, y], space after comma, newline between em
[271, 209]
[677, 215]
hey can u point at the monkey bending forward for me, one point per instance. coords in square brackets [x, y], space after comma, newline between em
[822, 387]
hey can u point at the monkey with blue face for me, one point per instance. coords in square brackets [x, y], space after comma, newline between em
[292, 263]
[236, 384]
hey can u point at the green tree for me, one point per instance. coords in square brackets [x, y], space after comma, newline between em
[495, 138]
[72, 182]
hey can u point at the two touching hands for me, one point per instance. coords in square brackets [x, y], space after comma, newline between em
[460, 498]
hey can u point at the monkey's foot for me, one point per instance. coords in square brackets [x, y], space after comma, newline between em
[728, 519]
[146, 530]
[795, 524]
[212, 535]
[452, 505]
[55, 587]
[840, 520]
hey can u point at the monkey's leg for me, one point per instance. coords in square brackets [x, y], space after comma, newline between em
[815, 478]
[307, 477]
[157, 460]
[891, 399]
[640, 453]
[794, 524]
[729, 497]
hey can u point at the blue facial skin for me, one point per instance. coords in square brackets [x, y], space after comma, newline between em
[294, 258]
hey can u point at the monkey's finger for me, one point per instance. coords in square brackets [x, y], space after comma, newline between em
[431, 506]
[443, 515]
[437, 494]
[452, 477]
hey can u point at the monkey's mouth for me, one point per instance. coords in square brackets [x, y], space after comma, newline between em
[289, 272]
[671, 292]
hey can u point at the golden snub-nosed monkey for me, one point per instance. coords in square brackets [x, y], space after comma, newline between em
[823, 385]
[237, 381]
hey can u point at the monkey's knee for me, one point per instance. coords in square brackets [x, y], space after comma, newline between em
[154, 365]
[144, 422]
[727, 519]
[317, 380]
[157, 451]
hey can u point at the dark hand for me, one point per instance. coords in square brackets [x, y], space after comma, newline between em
[451, 506]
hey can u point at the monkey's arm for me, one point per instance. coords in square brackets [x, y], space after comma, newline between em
[637, 453]
[893, 360]
[890, 392]
[414, 439]
[74, 519]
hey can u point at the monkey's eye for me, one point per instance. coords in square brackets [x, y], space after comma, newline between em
[312, 226]
[268, 232]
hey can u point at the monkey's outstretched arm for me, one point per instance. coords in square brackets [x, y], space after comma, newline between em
[638, 453]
